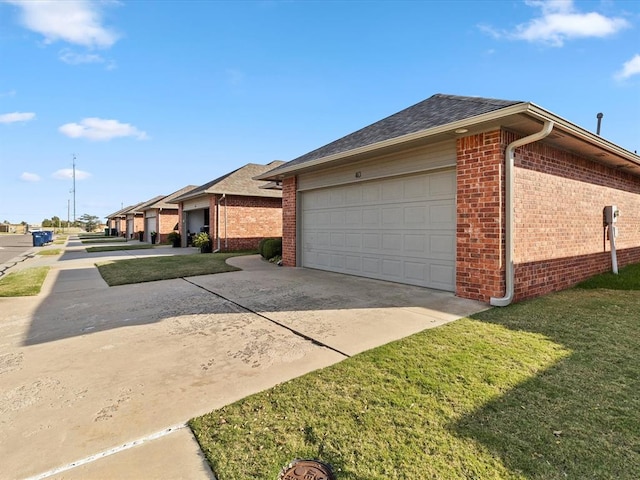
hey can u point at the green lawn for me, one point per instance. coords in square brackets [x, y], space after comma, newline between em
[112, 248]
[543, 389]
[23, 282]
[137, 270]
[49, 251]
[103, 240]
[628, 278]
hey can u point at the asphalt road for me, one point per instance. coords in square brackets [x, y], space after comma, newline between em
[12, 246]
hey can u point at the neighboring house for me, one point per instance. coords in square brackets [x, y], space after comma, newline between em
[431, 196]
[162, 216]
[136, 220]
[234, 209]
[117, 222]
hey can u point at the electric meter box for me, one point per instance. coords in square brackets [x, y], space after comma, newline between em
[610, 214]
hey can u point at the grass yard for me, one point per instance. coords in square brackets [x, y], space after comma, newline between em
[112, 248]
[23, 282]
[49, 251]
[544, 389]
[137, 270]
[103, 240]
[628, 278]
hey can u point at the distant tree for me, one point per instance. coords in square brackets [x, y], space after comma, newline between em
[46, 223]
[88, 222]
[55, 221]
[6, 222]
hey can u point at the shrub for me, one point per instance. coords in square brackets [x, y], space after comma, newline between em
[261, 246]
[201, 240]
[271, 248]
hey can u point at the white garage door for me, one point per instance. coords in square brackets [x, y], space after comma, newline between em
[399, 229]
[149, 226]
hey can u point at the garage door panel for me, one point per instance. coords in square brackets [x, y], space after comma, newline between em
[415, 244]
[371, 241]
[400, 229]
[353, 217]
[442, 216]
[353, 240]
[392, 243]
[442, 245]
[353, 263]
[371, 217]
[336, 197]
[337, 239]
[415, 271]
[442, 275]
[392, 190]
[442, 184]
[416, 187]
[371, 266]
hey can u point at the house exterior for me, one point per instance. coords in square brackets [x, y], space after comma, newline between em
[134, 218]
[117, 222]
[494, 200]
[234, 209]
[162, 216]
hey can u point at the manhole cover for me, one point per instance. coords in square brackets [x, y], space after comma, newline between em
[306, 470]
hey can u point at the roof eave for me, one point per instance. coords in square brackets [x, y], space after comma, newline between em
[280, 173]
[583, 134]
[527, 108]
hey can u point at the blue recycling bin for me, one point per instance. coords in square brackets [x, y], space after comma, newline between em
[48, 236]
[38, 239]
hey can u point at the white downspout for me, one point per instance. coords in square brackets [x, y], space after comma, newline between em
[508, 236]
[218, 221]
[226, 237]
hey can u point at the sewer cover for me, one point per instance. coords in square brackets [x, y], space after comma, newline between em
[306, 470]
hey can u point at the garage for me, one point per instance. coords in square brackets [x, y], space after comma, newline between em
[400, 229]
[149, 226]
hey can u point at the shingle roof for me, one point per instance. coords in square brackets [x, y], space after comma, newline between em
[238, 182]
[121, 212]
[165, 202]
[143, 206]
[435, 111]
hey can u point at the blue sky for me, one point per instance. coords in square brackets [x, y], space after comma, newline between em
[151, 96]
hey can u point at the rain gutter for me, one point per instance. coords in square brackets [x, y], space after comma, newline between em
[508, 237]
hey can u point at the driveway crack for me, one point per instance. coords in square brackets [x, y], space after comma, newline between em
[275, 322]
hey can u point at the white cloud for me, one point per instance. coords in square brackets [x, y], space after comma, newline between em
[67, 174]
[10, 93]
[101, 129]
[73, 58]
[630, 68]
[73, 21]
[30, 177]
[17, 117]
[560, 21]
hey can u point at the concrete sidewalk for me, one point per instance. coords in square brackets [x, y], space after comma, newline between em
[98, 381]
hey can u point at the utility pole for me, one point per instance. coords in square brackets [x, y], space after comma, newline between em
[74, 188]
[68, 201]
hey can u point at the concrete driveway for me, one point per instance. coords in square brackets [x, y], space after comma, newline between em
[103, 379]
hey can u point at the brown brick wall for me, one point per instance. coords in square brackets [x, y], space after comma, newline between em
[558, 232]
[479, 243]
[248, 220]
[559, 235]
[289, 191]
[168, 218]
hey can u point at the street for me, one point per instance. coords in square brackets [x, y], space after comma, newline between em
[14, 245]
